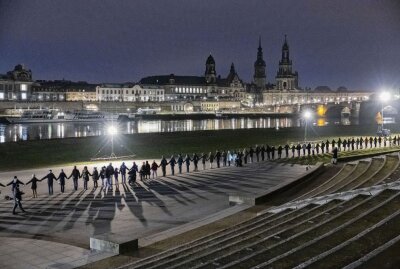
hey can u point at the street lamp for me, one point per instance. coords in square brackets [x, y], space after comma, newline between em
[384, 97]
[112, 131]
[307, 115]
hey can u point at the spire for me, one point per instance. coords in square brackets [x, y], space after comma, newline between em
[232, 71]
[285, 44]
[285, 51]
[259, 77]
[260, 60]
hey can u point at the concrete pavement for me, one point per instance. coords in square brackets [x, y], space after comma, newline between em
[140, 211]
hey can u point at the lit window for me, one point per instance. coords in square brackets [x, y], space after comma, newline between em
[1, 95]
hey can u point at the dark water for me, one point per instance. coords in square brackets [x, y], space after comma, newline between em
[17, 132]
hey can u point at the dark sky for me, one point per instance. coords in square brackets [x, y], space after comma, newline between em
[355, 43]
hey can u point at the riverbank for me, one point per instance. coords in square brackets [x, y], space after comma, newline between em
[45, 153]
[201, 116]
[194, 116]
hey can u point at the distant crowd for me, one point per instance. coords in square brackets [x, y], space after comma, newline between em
[110, 176]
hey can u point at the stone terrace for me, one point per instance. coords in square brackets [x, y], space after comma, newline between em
[147, 208]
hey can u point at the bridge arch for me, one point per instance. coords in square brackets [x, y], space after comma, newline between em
[337, 111]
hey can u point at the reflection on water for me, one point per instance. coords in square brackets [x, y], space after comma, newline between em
[17, 132]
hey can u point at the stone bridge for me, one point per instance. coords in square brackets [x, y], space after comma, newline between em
[332, 110]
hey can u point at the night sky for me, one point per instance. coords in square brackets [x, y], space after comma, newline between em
[351, 43]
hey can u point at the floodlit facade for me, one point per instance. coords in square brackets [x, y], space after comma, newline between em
[286, 90]
[63, 90]
[129, 93]
[16, 85]
[178, 88]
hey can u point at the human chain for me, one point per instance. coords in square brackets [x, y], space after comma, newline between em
[109, 176]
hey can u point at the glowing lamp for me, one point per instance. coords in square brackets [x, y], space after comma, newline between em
[112, 130]
[307, 115]
[384, 96]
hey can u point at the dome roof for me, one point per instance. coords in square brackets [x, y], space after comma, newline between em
[210, 60]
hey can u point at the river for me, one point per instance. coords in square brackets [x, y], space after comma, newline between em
[36, 131]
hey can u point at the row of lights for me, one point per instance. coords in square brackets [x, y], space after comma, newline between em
[384, 97]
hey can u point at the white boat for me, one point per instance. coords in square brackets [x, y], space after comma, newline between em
[48, 116]
[220, 114]
[90, 116]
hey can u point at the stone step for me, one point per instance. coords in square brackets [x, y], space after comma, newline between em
[385, 256]
[241, 240]
[261, 219]
[271, 247]
[361, 168]
[376, 165]
[225, 239]
[336, 236]
[357, 247]
[346, 169]
[392, 162]
[269, 232]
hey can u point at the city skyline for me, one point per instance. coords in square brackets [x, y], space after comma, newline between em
[85, 42]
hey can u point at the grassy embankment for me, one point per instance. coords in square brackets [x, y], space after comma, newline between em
[44, 153]
[344, 156]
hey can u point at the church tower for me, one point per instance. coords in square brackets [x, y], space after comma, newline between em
[210, 74]
[285, 78]
[259, 78]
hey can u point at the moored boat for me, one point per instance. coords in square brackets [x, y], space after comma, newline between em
[51, 115]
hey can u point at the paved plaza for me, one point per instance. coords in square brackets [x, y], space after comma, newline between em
[141, 211]
[23, 253]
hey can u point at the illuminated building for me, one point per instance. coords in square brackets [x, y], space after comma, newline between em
[63, 90]
[210, 85]
[16, 85]
[129, 92]
[286, 91]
